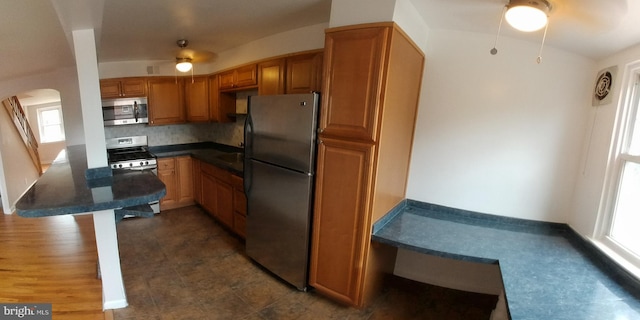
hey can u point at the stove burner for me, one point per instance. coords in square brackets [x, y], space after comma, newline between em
[137, 158]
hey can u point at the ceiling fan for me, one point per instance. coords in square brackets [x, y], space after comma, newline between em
[185, 58]
[534, 15]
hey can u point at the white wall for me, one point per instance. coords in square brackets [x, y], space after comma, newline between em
[598, 142]
[500, 134]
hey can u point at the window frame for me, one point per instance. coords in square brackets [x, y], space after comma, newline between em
[628, 107]
[39, 110]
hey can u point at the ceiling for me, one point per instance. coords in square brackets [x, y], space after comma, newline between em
[35, 33]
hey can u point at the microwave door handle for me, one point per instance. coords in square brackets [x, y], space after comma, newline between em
[135, 110]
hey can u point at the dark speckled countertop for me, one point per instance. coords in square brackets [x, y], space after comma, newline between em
[209, 152]
[548, 271]
[64, 188]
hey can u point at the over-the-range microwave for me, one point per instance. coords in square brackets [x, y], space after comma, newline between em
[124, 111]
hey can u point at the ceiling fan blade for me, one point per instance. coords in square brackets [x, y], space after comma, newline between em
[596, 15]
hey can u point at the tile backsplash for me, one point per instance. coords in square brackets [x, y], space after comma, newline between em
[225, 133]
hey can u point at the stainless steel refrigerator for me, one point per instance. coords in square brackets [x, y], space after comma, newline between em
[280, 152]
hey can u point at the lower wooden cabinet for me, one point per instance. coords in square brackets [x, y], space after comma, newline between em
[340, 234]
[177, 176]
[220, 193]
[239, 207]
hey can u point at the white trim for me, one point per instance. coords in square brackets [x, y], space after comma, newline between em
[629, 96]
[617, 258]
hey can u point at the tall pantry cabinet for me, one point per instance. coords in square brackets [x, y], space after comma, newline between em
[372, 79]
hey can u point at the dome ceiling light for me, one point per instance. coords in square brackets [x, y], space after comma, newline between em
[526, 16]
[183, 64]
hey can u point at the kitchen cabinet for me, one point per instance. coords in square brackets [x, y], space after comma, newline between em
[166, 100]
[197, 180]
[239, 206]
[221, 194]
[296, 73]
[271, 77]
[372, 76]
[167, 174]
[123, 87]
[243, 77]
[220, 104]
[177, 176]
[217, 193]
[196, 94]
[304, 73]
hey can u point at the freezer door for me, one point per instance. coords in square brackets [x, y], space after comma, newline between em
[278, 220]
[281, 129]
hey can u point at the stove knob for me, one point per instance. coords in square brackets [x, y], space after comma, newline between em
[141, 163]
[131, 164]
[120, 165]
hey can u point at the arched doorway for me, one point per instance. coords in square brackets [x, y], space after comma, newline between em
[42, 109]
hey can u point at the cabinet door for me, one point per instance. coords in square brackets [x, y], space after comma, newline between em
[167, 174]
[185, 179]
[209, 196]
[342, 201]
[166, 101]
[224, 202]
[271, 77]
[197, 181]
[246, 76]
[110, 88]
[226, 80]
[353, 82]
[304, 73]
[134, 87]
[197, 98]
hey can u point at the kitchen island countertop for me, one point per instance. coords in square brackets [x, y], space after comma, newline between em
[65, 189]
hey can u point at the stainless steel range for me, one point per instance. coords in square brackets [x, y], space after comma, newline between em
[132, 153]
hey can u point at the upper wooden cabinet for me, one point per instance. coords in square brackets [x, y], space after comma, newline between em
[220, 104]
[372, 78]
[123, 88]
[166, 100]
[196, 93]
[304, 73]
[297, 73]
[353, 82]
[271, 77]
[238, 78]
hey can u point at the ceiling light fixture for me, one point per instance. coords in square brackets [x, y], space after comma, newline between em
[183, 64]
[526, 16]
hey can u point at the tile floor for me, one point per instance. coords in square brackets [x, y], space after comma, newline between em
[182, 264]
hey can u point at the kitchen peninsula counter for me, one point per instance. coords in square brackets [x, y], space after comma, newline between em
[209, 152]
[548, 271]
[65, 189]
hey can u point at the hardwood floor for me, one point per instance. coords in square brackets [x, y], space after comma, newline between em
[51, 260]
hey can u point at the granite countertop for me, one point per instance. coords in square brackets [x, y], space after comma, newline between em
[64, 188]
[548, 271]
[208, 152]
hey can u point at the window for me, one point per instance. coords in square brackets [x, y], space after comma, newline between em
[620, 222]
[50, 124]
